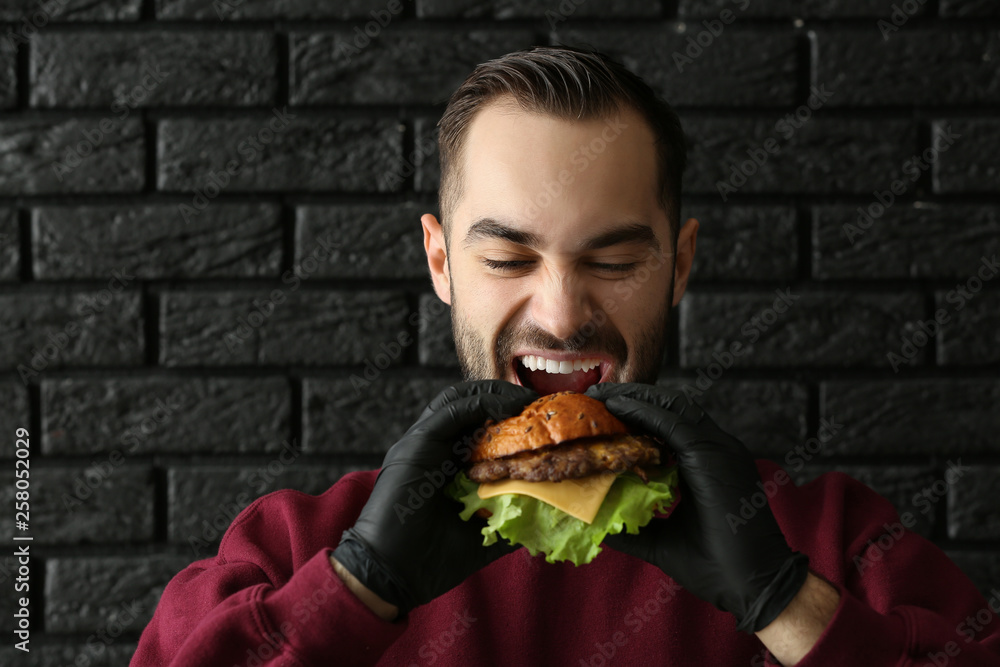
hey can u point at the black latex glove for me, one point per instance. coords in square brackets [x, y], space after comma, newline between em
[746, 569]
[409, 544]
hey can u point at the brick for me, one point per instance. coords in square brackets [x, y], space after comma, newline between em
[899, 484]
[94, 654]
[920, 240]
[912, 67]
[71, 328]
[96, 504]
[111, 592]
[308, 152]
[398, 66]
[373, 240]
[437, 345]
[425, 162]
[465, 9]
[203, 501]
[421, 159]
[67, 10]
[970, 164]
[982, 567]
[71, 156]
[790, 8]
[513, 9]
[768, 417]
[217, 328]
[807, 158]
[14, 398]
[155, 241]
[121, 71]
[237, 10]
[744, 242]
[8, 76]
[137, 416]
[738, 68]
[10, 245]
[834, 329]
[347, 416]
[913, 417]
[969, 8]
[973, 513]
[971, 335]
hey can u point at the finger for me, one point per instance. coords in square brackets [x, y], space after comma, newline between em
[604, 390]
[496, 550]
[470, 536]
[474, 409]
[643, 545]
[465, 546]
[673, 428]
[668, 399]
[601, 390]
[443, 428]
[472, 387]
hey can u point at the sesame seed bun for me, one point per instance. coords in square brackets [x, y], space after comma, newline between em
[550, 420]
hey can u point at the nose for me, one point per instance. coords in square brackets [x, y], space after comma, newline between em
[561, 305]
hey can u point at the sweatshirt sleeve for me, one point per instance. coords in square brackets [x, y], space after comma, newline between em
[903, 602]
[270, 597]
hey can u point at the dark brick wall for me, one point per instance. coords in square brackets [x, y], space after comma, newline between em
[184, 351]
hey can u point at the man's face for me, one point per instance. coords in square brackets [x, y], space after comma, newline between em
[573, 205]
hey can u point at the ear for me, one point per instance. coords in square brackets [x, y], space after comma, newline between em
[437, 256]
[684, 257]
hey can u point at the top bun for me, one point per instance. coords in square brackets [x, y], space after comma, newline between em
[550, 420]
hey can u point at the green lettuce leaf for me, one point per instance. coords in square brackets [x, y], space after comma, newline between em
[541, 528]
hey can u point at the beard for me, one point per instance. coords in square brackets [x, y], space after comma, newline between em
[642, 363]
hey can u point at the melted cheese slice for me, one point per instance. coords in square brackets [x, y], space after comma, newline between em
[580, 497]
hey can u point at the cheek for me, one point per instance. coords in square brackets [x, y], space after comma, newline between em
[632, 302]
[486, 303]
[646, 288]
[623, 295]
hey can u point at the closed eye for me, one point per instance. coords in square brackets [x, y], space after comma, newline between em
[517, 264]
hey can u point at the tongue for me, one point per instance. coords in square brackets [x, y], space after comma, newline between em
[549, 383]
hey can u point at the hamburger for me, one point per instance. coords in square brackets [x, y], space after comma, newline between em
[563, 474]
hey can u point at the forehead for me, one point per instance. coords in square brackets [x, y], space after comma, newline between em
[558, 179]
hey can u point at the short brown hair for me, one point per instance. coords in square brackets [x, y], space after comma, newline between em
[570, 83]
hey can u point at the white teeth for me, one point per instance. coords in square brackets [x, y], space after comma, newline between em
[536, 363]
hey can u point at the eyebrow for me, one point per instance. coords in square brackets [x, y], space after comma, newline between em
[628, 232]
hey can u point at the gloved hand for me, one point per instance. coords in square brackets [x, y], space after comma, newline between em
[745, 568]
[409, 544]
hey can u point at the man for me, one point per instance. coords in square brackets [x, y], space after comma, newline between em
[560, 238]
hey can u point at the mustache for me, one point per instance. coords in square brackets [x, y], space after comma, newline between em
[606, 343]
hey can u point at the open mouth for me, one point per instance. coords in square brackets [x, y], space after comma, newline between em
[548, 376]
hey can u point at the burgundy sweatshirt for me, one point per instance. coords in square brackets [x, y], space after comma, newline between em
[270, 597]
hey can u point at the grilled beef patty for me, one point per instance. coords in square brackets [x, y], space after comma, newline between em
[577, 458]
